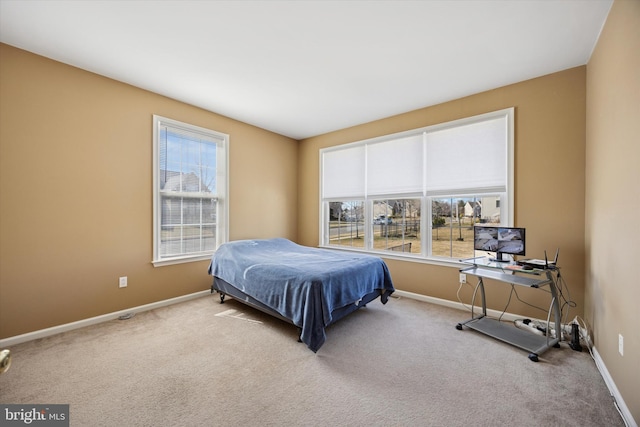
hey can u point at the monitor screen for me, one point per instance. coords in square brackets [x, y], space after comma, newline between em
[501, 240]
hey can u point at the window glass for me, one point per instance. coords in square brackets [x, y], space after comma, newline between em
[396, 225]
[346, 223]
[452, 221]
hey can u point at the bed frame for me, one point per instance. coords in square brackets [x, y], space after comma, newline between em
[224, 289]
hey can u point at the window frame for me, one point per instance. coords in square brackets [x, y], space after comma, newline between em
[221, 194]
[506, 197]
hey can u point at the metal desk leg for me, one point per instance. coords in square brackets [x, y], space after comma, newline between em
[479, 286]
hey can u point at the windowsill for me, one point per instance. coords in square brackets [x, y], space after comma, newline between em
[181, 260]
[395, 256]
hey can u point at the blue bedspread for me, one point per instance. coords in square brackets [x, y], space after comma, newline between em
[301, 283]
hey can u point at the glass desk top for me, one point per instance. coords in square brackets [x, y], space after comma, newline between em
[505, 267]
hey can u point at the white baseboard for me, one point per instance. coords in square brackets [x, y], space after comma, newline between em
[615, 393]
[7, 342]
[457, 305]
[618, 400]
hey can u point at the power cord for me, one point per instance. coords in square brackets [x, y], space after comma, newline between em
[513, 290]
[468, 307]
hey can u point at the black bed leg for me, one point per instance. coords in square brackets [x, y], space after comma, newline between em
[222, 298]
[299, 334]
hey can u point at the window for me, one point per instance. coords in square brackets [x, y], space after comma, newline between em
[373, 193]
[190, 187]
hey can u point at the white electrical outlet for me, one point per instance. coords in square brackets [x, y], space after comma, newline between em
[123, 282]
[463, 278]
[621, 344]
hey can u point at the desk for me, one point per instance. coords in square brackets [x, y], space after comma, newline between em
[509, 273]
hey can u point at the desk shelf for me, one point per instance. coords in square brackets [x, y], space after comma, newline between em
[525, 340]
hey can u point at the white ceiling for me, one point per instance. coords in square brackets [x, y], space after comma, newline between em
[303, 68]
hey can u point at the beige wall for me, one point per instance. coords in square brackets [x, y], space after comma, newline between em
[613, 198]
[76, 193]
[549, 155]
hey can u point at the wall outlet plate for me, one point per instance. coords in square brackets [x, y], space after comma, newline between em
[122, 282]
[621, 344]
[463, 278]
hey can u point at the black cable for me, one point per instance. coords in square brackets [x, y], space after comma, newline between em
[544, 310]
[513, 290]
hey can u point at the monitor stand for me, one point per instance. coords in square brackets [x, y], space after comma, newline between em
[499, 258]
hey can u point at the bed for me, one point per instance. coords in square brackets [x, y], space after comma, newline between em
[310, 288]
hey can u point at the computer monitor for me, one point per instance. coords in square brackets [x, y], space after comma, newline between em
[501, 240]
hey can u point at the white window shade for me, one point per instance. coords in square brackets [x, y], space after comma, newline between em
[395, 166]
[343, 173]
[470, 157]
